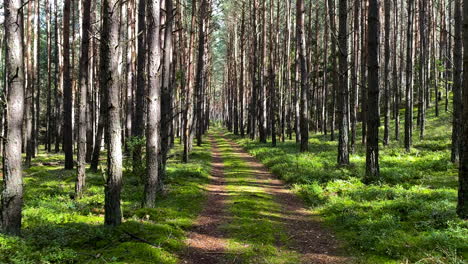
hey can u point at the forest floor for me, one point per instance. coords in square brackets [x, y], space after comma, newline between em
[226, 207]
[409, 217]
[252, 217]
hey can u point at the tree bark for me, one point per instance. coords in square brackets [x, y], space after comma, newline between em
[386, 138]
[199, 74]
[109, 83]
[300, 36]
[462, 206]
[82, 101]
[12, 193]
[343, 97]
[67, 90]
[153, 139]
[409, 79]
[373, 120]
[457, 84]
[139, 123]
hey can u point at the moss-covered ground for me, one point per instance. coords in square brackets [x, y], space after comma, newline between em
[408, 218]
[59, 229]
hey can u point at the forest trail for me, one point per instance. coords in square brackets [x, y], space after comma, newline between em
[245, 198]
[205, 241]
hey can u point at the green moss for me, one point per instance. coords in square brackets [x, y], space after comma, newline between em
[59, 229]
[410, 216]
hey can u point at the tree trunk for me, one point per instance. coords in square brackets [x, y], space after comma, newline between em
[373, 120]
[457, 84]
[386, 138]
[300, 38]
[262, 111]
[409, 79]
[189, 111]
[153, 139]
[37, 78]
[82, 101]
[109, 83]
[139, 123]
[49, 127]
[462, 207]
[343, 96]
[29, 99]
[67, 90]
[167, 90]
[58, 84]
[200, 69]
[12, 193]
[335, 77]
[241, 72]
[422, 68]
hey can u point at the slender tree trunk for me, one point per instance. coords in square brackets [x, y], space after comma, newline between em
[50, 121]
[262, 125]
[422, 68]
[58, 84]
[335, 77]
[189, 111]
[12, 191]
[354, 108]
[457, 84]
[409, 79]
[364, 73]
[167, 90]
[37, 78]
[67, 90]
[462, 207]
[343, 96]
[301, 48]
[109, 83]
[241, 77]
[153, 139]
[386, 138]
[139, 122]
[29, 100]
[82, 101]
[200, 70]
[373, 120]
[396, 83]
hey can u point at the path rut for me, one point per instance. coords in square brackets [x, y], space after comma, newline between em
[206, 242]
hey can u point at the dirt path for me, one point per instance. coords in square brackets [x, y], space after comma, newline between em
[309, 238]
[206, 243]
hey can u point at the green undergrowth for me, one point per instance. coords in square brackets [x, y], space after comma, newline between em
[408, 218]
[254, 228]
[58, 229]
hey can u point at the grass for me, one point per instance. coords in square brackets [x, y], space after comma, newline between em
[58, 229]
[254, 234]
[409, 217]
